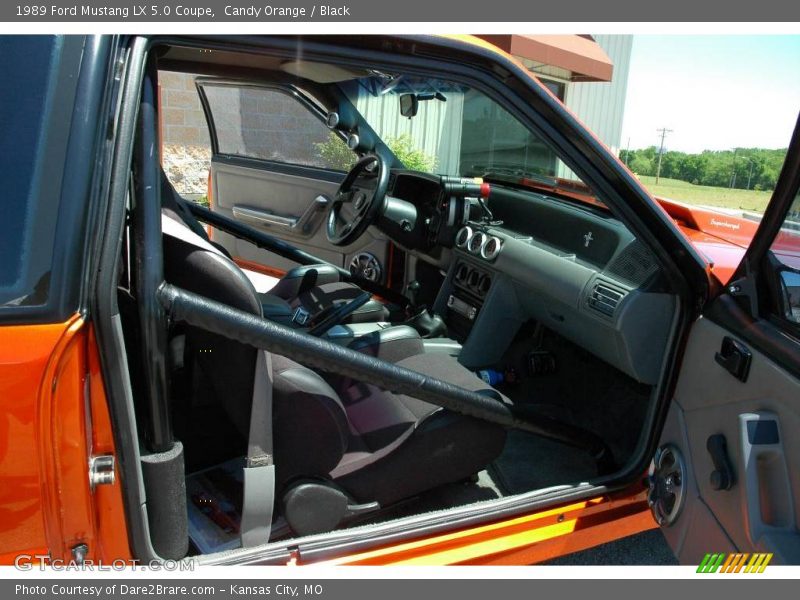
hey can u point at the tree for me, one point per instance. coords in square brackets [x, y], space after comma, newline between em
[711, 167]
[336, 155]
[641, 165]
[413, 158]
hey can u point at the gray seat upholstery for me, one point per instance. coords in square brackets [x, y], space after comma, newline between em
[365, 444]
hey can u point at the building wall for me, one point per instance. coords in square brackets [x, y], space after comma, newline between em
[601, 105]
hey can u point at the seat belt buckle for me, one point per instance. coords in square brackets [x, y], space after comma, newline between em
[301, 316]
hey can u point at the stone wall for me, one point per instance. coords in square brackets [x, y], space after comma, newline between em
[186, 149]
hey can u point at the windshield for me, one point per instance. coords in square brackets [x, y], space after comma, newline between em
[456, 131]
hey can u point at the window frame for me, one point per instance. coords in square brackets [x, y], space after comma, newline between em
[292, 92]
[82, 100]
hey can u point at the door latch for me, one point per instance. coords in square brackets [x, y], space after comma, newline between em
[101, 470]
[735, 358]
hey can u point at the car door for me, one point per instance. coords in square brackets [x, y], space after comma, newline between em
[275, 166]
[725, 480]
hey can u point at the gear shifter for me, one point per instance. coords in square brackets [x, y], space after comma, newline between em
[412, 289]
[428, 324]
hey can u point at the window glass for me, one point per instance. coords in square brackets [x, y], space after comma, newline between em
[185, 144]
[27, 227]
[271, 125]
[457, 130]
[786, 248]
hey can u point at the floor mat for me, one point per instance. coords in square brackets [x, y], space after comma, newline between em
[450, 495]
[583, 391]
[531, 462]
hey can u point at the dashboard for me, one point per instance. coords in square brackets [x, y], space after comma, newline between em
[574, 268]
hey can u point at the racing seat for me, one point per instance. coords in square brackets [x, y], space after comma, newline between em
[313, 288]
[336, 454]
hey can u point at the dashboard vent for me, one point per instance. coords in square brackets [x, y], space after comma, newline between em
[635, 264]
[605, 299]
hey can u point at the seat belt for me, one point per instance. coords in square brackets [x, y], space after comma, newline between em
[259, 471]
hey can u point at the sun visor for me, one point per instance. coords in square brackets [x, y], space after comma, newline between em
[320, 72]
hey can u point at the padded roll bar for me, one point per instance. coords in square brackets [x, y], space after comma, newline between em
[281, 248]
[234, 324]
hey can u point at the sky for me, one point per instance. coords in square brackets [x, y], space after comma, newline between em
[715, 92]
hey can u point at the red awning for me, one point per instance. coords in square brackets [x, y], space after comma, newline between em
[580, 55]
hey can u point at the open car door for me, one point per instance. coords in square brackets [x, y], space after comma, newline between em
[275, 166]
[725, 480]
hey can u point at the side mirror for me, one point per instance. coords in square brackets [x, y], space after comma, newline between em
[409, 105]
[790, 281]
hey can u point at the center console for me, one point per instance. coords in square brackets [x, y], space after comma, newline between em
[470, 280]
[470, 285]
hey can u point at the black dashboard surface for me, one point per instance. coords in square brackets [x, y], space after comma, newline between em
[591, 235]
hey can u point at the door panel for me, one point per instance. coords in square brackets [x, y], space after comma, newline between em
[759, 513]
[285, 206]
[735, 416]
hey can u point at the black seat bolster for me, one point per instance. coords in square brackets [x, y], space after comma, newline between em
[275, 308]
[312, 431]
[374, 311]
[392, 344]
[301, 279]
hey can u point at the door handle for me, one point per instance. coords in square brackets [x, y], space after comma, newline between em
[735, 358]
[261, 217]
[299, 225]
[765, 473]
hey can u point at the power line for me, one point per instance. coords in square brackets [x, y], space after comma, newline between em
[663, 131]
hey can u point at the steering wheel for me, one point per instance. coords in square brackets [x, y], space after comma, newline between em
[355, 207]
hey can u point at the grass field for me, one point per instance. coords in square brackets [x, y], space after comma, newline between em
[683, 191]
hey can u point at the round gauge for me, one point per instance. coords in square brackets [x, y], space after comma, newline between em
[463, 235]
[491, 248]
[333, 119]
[476, 242]
[353, 141]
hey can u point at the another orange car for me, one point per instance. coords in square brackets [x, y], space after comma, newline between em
[423, 317]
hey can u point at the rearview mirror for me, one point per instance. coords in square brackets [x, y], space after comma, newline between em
[409, 105]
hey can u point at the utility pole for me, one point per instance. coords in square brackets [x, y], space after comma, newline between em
[628, 153]
[663, 131]
[733, 175]
[750, 174]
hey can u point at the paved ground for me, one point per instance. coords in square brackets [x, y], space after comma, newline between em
[648, 548]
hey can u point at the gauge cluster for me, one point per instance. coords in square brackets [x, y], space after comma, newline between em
[478, 243]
